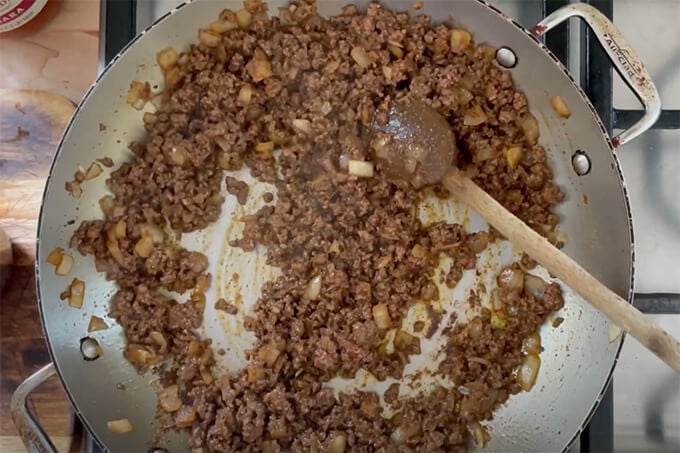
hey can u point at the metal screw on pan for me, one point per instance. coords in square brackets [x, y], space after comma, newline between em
[581, 163]
[506, 57]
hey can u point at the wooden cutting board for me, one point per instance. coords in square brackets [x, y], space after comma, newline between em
[31, 125]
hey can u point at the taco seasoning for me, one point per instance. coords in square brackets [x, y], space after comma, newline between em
[20, 18]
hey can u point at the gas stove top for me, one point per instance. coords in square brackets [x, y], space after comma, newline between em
[641, 409]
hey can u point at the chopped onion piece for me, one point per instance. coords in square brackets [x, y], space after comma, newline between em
[140, 355]
[65, 265]
[498, 320]
[152, 230]
[222, 143]
[144, 246]
[360, 168]
[173, 77]
[245, 95]
[475, 328]
[488, 52]
[511, 278]
[534, 285]
[177, 155]
[463, 96]
[169, 400]
[221, 54]
[479, 434]
[119, 230]
[55, 256]
[303, 125]
[118, 211]
[185, 416]
[387, 72]
[313, 289]
[484, 153]
[259, 69]
[387, 346]
[479, 360]
[76, 293]
[560, 106]
[404, 341]
[381, 316]
[265, 148]
[361, 57]
[93, 171]
[268, 354]
[366, 115]
[337, 444]
[459, 40]
[138, 94]
[395, 50]
[120, 426]
[526, 376]
[496, 301]
[159, 339]
[221, 26]
[167, 58]
[207, 376]
[244, 18]
[513, 155]
[96, 323]
[398, 436]
[203, 283]
[114, 250]
[614, 332]
[194, 349]
[529, 127]
[149, 118]
[330, 68]
[474, 116]
[209, 38]
[255, 373]
[157, 100]
[532, 344]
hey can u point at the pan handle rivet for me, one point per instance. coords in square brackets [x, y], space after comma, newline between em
[581, 163]
[506, 57]
[90, 348]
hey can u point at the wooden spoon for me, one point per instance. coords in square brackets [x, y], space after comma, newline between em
[417, 145]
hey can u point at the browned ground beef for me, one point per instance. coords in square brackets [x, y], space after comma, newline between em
[229, 103]
[237, 188]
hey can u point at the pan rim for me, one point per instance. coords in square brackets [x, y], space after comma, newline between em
[493, 9]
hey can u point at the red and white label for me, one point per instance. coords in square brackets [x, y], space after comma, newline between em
[15, 13]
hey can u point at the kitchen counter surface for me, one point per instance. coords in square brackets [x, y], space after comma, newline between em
[57, 64]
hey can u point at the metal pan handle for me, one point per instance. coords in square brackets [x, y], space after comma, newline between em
[30, 431]
[622, 56]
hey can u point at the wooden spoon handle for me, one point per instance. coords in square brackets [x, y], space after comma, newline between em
[571, 273]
